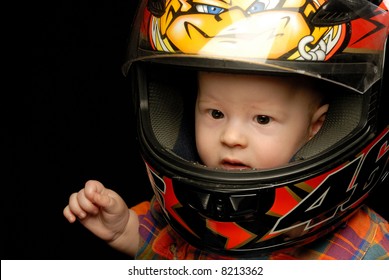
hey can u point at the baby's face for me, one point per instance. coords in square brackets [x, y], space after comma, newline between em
[247, 121]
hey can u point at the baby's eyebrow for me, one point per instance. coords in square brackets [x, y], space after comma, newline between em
[207, 101]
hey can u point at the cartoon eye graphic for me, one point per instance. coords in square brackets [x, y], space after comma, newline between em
[207, 9]
[261, 5]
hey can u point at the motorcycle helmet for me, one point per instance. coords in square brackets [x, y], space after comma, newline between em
[339, 44]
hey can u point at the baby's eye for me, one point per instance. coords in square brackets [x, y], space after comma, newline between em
[216, 114]
[262, 119]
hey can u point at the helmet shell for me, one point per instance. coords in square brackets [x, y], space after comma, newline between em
[340, 44]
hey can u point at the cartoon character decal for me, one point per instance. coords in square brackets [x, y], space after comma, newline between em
[262, 29]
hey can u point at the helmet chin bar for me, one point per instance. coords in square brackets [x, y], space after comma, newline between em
[248, 219]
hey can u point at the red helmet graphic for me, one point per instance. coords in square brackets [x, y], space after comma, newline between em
[339, 44]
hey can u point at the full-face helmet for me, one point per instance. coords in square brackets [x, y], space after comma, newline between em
[339, 44]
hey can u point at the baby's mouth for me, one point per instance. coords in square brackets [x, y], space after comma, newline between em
[233, 164]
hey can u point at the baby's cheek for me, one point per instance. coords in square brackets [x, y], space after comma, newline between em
[207, 152]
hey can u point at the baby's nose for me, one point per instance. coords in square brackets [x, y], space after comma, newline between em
[234, 135]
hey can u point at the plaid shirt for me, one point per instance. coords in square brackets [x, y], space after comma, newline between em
[364, 236]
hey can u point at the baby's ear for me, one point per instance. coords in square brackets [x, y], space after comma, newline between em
[318, 120]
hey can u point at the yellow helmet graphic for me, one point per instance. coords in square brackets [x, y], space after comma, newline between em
[261, 29]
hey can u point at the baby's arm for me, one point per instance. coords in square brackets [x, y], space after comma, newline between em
[105, 214]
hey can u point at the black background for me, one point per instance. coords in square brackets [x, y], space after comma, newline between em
[73, 122]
